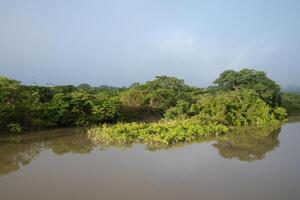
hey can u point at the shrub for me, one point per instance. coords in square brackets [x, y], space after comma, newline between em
[165, 132]
[233, 108]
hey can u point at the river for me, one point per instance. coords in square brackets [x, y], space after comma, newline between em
[64, 164]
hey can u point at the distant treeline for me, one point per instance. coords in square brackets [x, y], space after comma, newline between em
[236, 98]
[292, 89]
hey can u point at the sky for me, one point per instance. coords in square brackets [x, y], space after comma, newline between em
[118, 42]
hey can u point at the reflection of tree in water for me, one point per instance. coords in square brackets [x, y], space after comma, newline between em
[12, 156]
[159, 147]
[76, 142]
[17, 151]
[248, 145]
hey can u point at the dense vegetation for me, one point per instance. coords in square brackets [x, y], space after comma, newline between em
[211, 115]
[164, 110]
[165, 132]
[143, 101]
[232, 108]
[34, 107]
[291, 101]
[267, 89]
[243, 98]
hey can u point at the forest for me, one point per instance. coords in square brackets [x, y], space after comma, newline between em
[163, 110]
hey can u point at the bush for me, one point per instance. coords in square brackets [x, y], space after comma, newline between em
[165, 132]
[14, 128]
[108, 111]
[291, 102]
[180, 110]
[233, 108]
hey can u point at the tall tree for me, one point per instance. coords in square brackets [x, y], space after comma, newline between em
[267, 89]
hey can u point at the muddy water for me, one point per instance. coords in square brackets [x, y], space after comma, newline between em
[63, 164]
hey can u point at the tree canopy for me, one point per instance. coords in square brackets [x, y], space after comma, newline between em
[159, 94]
[238, 98]
[266, 88]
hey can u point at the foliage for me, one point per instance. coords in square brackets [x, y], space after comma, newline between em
[291, 101]
[181, 110]
[108, 110]
[247, 97]
[267, 89]
[166, 132]
[14, 128]
[84, 86]
[159, 94]
[9, 93]
[238, 108]
[33, 107]
[233, 108]
[212, 115]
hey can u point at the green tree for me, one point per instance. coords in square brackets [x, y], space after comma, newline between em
[267, 89]
[291, 102]
[233, 108]
[9, 90]
[180, 110]
[9, 97]
[84, 86]
[160, 94]
[107, 111]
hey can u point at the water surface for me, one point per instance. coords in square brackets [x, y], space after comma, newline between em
[64, 164]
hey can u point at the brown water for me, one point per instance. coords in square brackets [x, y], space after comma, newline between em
[63, 164]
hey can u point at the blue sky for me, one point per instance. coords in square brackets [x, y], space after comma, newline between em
[118, 42]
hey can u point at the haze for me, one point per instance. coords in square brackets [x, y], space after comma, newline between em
[117, 42]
